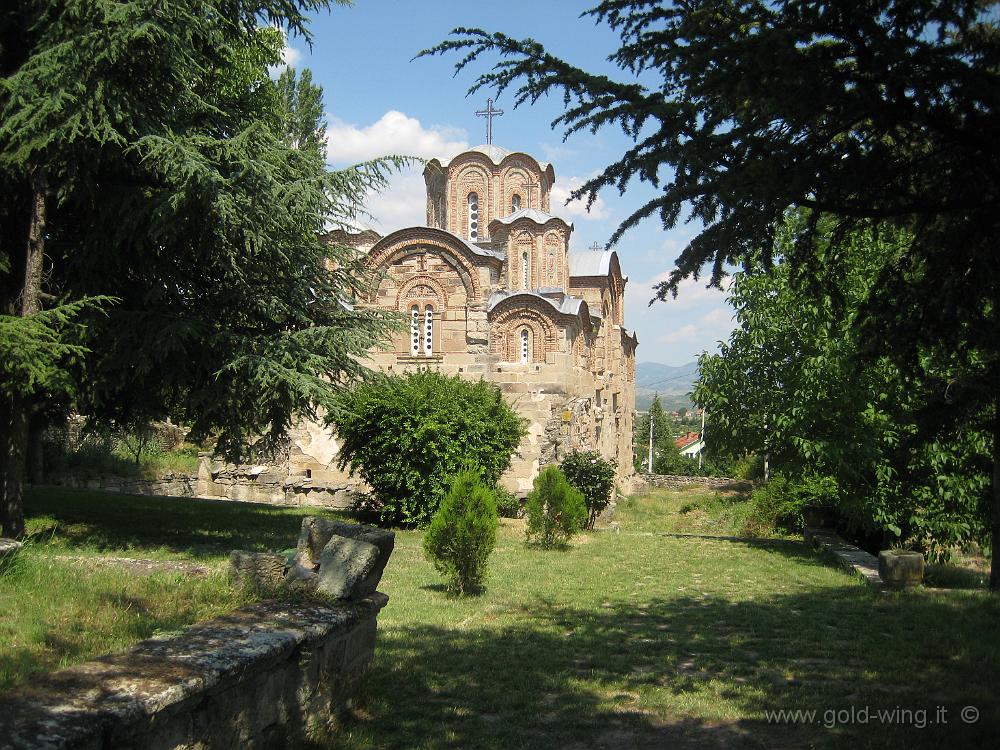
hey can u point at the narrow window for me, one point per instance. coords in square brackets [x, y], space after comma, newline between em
[414, 331]
[473, 216]
[524, 271]
[515, 203]
[429, 331]
[524, 345]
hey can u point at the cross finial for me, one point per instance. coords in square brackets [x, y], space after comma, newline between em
[528, 185]
[597, 247]
[489, 113]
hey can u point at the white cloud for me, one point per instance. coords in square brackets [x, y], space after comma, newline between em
[403, 203]
[290, 56]
[560, 194]
[393, 133]
[688, 334]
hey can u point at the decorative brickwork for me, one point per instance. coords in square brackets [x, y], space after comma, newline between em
[505, 328]
[572, 379]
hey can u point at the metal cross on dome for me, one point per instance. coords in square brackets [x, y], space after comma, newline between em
[597, 246]
[489, 113]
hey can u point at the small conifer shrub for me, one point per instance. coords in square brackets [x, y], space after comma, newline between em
[556, 511]
[594, 477]
[463, 533]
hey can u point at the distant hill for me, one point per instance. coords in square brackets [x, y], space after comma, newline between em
[672, 383]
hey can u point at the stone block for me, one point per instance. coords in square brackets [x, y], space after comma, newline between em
[317, 532]
[344, 565]
[256, 569]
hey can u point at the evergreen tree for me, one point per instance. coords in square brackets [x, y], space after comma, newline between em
[876, 113]
[160, 248]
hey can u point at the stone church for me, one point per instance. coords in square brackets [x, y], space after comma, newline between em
[493, 290]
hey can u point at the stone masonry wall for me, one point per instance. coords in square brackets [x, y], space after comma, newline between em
[266, 675]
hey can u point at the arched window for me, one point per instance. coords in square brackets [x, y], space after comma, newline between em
[525, 345]
[414, 331]
[515, 203]
[473, 216]
[429, 330]
[525, 275]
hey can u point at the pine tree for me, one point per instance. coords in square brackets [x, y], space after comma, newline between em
[160, 233]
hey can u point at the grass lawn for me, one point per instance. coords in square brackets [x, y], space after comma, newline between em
[634, 639]
[639, 638]
[56, 610]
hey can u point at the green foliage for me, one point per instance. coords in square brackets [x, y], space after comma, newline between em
[106, 452]
[779, 503]
[180, 218]
[555, 510]
[869, 117]
[793, 383]
[594, 476]
[508, 504]
[463, 533]
[38, 352]
[408, 435]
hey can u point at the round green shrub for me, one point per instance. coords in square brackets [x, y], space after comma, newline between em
[556, 511]
[463, 533]
[594, 476]
[406, 436]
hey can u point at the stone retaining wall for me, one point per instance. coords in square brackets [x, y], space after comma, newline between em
[220, 481]
[266, 675]
[175, 485]
[675, 481]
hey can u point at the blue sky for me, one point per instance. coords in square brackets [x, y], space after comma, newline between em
[380, 101]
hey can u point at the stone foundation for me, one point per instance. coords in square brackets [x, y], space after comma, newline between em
[266, 675]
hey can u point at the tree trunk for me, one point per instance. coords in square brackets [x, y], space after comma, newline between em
[15, 441]
[995, 526]
[36, 461]
[15, 416]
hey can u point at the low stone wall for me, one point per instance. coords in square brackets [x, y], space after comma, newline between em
[269, 484]
[176, 485]
[220, 481]
[675, 481]
[266, 675]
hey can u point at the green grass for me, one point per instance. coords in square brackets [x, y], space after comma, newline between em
[635, 638]
[54, 613]
[88, 522]
[692, 510]
[100, 458]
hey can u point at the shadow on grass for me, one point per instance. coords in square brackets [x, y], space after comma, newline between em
[109, 521]
[675, 673]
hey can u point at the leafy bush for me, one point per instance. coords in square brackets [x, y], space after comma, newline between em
[556, 511]
[408, 435]
[463, 533]
[779, 503]
[594, 477]
[508, 504]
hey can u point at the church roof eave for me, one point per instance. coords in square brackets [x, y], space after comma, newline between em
[588, 263]
[442, 234]
[568, 306]
[529, 214]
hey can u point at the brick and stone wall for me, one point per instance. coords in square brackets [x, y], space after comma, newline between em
[266, 675]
